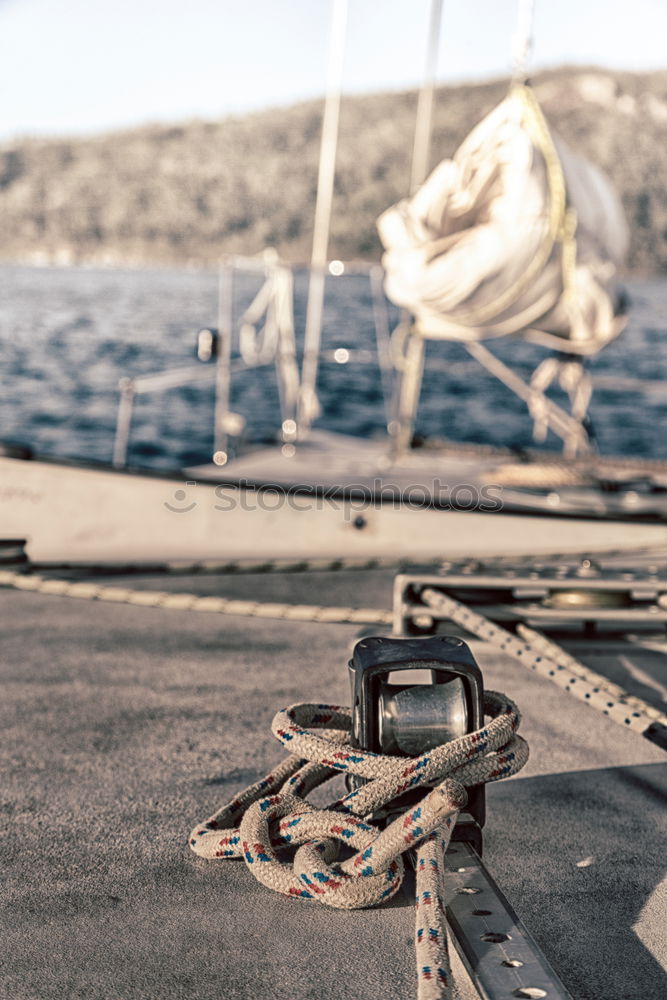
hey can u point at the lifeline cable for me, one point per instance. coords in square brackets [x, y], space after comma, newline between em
[273, 816]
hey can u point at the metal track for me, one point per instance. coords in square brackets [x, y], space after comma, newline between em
[638, 598]
[503, 960]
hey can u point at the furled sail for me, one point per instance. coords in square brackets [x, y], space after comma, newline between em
[514, 235]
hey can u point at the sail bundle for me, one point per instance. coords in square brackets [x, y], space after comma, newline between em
[515, 235]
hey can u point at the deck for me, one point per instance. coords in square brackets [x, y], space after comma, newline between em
[126, 725]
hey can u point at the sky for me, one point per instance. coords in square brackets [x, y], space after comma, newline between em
[84, 66]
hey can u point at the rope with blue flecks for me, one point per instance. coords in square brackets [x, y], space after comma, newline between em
[266, 822]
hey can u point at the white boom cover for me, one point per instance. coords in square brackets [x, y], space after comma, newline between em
[515, 234]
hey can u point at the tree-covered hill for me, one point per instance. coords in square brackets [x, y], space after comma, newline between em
[188, 192]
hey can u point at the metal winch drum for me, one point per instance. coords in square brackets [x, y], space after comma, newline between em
[395, 712]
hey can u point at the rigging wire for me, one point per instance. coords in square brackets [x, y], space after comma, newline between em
[522, 43]
[424, 122]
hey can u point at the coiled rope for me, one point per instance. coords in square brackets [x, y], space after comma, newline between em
[269, 819]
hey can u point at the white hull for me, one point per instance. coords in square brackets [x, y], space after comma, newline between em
[76, 514]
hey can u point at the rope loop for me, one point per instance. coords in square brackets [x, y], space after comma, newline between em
[293, 848]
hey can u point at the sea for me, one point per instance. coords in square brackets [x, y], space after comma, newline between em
[69, 334]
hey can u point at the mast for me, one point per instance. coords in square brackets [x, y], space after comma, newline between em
[408, 384]
[309, 406]
[424, 124]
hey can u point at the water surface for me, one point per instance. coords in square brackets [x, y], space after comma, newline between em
[69, 334]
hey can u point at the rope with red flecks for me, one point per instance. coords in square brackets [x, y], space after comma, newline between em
[269, 819]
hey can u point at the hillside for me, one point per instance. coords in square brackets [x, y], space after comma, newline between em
[186, 193]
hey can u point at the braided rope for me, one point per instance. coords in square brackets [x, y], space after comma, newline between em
[548, 659]
[268, 820]
[87, 590]
[565, 661]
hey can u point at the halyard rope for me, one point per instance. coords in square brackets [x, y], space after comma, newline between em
[269, 819]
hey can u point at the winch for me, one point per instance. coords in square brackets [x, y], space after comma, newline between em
[411, 695]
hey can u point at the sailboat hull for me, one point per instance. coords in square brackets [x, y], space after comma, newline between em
[78, 514]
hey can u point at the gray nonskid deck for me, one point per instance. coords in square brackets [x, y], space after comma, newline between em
[125, 726]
